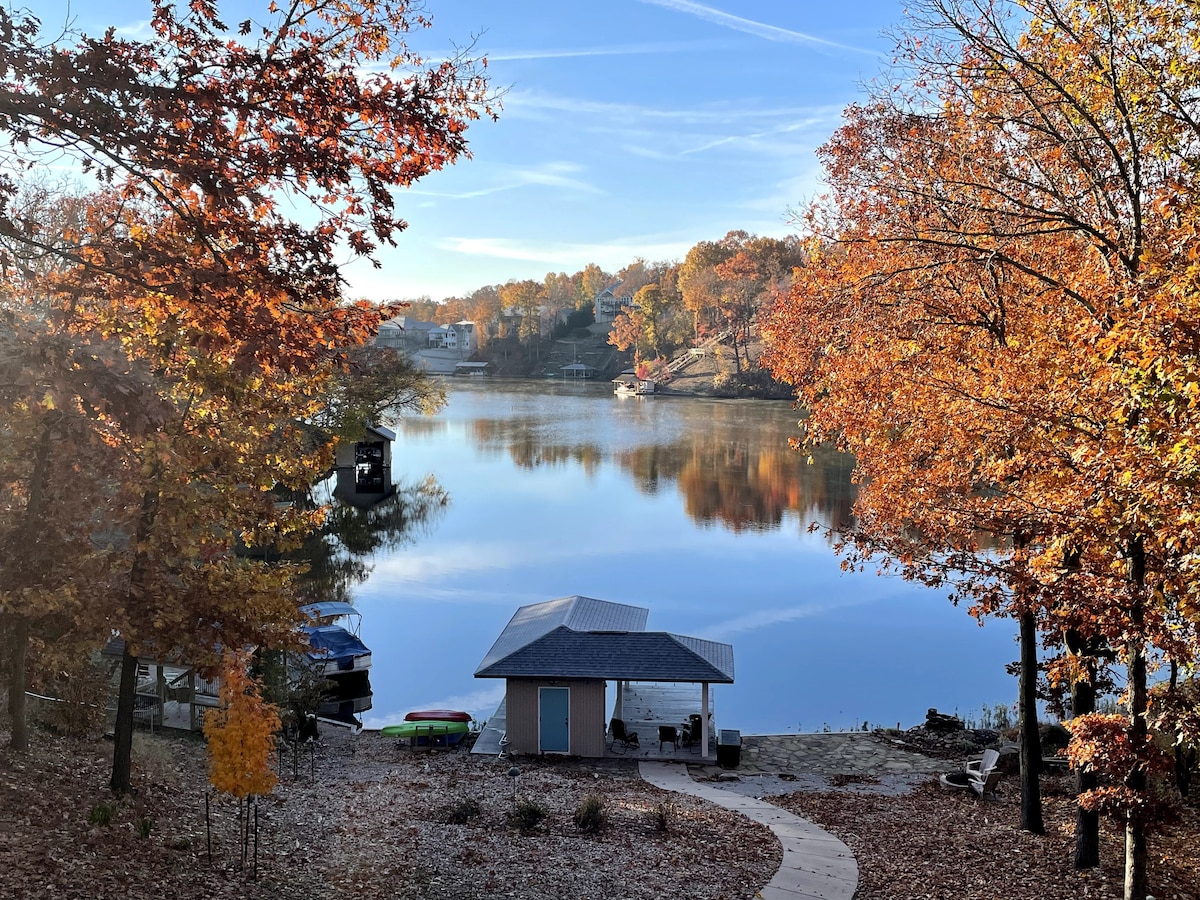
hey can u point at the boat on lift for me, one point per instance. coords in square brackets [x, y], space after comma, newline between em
[335, 648]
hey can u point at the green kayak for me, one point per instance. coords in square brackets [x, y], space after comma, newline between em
[446, 732]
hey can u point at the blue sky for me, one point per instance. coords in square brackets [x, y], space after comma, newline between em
[630, 128]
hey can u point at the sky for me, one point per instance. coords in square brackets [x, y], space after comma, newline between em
[629, 128]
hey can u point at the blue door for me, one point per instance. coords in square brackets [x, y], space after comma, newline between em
[554, 719]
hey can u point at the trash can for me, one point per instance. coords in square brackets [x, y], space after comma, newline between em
[729, 748]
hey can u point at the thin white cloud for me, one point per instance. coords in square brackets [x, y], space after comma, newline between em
[517, 102]
[613, 254]
[626, 50]
[765, 618]
[750, 26]
[427, 567]
[554, 174]
[137, 31]
[812, 123]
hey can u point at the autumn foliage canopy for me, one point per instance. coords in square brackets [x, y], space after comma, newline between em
[176, 330]
[997, 316]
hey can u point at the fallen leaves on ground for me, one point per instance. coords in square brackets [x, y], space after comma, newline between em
[935, 843]
[371, 821]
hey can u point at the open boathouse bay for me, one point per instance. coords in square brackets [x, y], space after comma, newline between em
[692, 507]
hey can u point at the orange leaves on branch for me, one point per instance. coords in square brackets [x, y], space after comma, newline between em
[219, 131]
[241, 734]
[1101, 743]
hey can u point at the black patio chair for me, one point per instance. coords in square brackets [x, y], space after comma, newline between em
[668, 734]
[622, 737]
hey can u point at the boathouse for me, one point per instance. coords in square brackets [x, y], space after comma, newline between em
[364, 468]
[557, 656]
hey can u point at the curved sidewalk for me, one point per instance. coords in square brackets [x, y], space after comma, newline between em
[816, 865]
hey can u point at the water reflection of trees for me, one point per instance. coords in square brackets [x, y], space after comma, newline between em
[524, 441]
[338, 556]
[746, 483]
[733, 469]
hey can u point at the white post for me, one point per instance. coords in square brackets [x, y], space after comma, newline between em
[704, 720]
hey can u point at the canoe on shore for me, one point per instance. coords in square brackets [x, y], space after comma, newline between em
[438, 715]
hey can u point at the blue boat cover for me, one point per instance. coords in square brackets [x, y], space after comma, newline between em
[333, 642]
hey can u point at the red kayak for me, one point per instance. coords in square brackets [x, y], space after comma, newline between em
[438, 715]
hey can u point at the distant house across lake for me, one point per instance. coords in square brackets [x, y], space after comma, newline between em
[608, 305]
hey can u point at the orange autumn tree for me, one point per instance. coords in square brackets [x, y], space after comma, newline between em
[994, 321]
[64, 401]
[241, 734]
[238, 169]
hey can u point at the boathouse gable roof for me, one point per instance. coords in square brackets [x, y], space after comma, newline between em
[577, 613]
[579, 637]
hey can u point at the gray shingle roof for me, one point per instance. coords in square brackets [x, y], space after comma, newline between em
[577, 613]
[578, 637]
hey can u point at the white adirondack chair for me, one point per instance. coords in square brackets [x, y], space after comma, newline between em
[982, 774]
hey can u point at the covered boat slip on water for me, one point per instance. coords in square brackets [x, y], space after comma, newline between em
[336, 651]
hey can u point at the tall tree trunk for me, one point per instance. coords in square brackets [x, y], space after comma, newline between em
[1136, 850]
[1031, 743]
[123, 731]
[1083, 701]
[18, 645]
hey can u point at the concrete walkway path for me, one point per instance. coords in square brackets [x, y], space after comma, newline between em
[816, 865]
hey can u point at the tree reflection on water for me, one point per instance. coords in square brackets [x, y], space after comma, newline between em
[737, 472]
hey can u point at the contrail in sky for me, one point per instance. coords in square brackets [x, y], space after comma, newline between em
[749, 26]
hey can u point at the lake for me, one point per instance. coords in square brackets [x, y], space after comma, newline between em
[695, 508]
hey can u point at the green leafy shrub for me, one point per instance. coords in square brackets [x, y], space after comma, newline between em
[527, 815]
[102, 814]
[591, 817]
[144, 827]
[460, 811]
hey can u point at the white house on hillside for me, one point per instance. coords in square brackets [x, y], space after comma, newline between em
[609, 305]
[460, 336]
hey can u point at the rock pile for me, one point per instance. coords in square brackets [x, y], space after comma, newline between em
[945, 737]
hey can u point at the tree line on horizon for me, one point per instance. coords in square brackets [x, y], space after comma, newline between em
[719, 288]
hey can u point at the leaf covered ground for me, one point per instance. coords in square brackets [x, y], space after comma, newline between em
[374, 819]
[935, 844]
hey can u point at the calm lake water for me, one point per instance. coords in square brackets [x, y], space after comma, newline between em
[693, 508]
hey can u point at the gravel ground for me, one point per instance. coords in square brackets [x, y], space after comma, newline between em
[397, 834]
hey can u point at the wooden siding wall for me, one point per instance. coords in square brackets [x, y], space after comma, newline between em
[587, 715]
